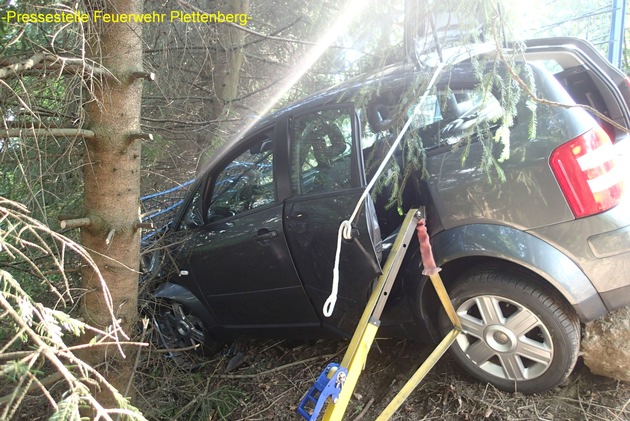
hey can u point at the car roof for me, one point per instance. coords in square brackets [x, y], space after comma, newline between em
[392, 75]
[398, 72]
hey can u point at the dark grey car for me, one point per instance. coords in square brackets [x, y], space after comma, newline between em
[529, 248]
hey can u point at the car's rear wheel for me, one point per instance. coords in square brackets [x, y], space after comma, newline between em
[182, 333]
[516, 335]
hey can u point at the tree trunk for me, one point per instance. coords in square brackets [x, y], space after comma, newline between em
[227, 61]
[112, 187]
[224, 69]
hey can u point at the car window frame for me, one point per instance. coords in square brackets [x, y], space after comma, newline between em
[217, 169]
[357, 172]
[444, 147]
[204, 187]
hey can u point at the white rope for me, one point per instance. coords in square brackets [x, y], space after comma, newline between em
[329, 305]
[345, 229]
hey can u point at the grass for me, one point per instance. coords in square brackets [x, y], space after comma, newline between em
[275, 375]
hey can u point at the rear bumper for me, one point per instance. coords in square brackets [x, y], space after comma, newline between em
[609, 270]
[602, 251]
[616, 298]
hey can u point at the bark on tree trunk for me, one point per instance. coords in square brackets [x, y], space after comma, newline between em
[227, 61]
[112, 186]
[224, 69]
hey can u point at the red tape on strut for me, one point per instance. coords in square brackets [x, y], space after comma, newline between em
[428, 262]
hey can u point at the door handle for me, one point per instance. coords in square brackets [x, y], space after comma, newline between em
[263, 235]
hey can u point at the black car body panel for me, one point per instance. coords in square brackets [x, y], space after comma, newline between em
[266, 267]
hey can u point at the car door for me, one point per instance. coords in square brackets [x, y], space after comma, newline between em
[326, 175]
[237, 251]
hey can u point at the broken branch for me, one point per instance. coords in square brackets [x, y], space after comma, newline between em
[148, 76]
[33, 132]
[41, 61]
[75, 223]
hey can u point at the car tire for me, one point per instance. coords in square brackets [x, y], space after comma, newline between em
[517, 335]
[182, 333]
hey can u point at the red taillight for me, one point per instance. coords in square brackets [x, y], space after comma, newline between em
[588, 174]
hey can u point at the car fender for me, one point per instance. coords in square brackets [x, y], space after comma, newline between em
[184, 296]
[526, 250]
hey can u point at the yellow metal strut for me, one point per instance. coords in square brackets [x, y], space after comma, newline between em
[359, 347]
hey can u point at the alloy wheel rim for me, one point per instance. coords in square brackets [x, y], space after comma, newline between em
[504, 339]
[188, 328]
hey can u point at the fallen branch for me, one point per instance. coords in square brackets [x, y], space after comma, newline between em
[275, 369]
[362, 413]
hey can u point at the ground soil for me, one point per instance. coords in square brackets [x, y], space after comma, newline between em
[265, 380]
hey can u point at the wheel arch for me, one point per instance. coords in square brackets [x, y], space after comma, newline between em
[184, 296]
[484, 245]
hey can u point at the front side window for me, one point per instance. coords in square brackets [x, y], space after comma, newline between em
[321, 146]
[245, 183]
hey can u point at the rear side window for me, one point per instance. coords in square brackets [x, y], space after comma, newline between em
[454, 115]
[580, 84]
[586, 87]
[446, 117]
